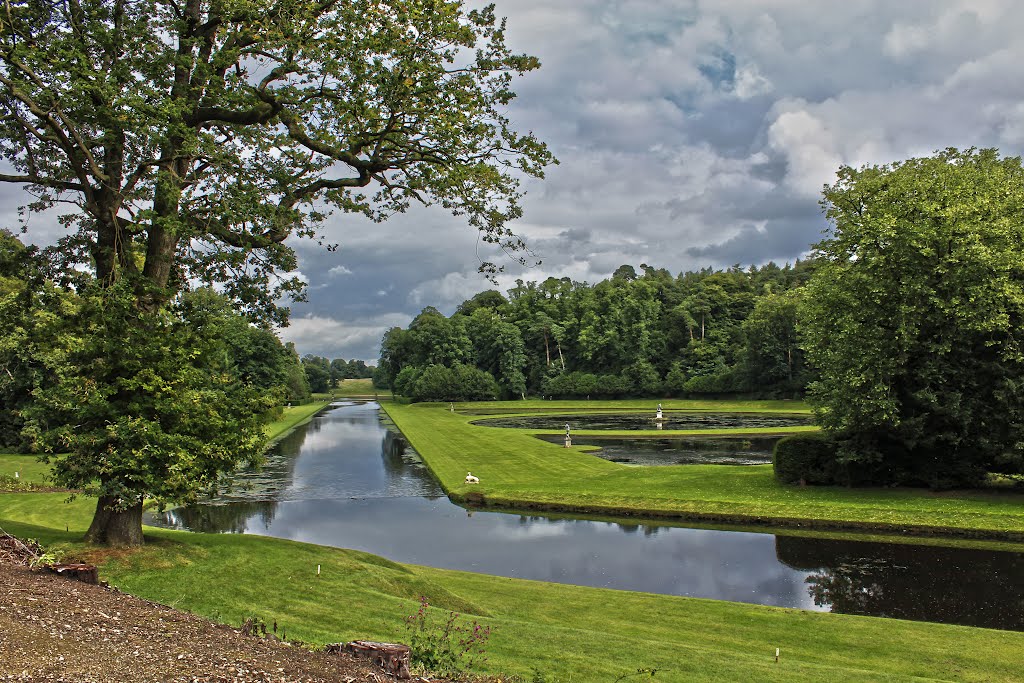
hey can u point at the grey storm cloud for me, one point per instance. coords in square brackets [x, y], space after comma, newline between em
[690, 133]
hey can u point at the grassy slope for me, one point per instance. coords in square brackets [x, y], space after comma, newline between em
[518, 470]
[574, 633]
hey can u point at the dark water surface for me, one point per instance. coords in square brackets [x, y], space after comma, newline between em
[346, 480]
[716, 450]
[637, 421]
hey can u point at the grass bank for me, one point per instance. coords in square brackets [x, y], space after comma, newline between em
[517, 470]
[568, 633]
[292, 417]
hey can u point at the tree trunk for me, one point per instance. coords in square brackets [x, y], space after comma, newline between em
[560, 356]
[547, 349]
[113, 527]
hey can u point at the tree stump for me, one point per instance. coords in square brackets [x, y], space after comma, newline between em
[86, 573]
[392, 657]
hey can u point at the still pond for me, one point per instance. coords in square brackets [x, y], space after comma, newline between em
[349, 480]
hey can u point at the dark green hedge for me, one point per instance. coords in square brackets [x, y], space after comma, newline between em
[805, 458]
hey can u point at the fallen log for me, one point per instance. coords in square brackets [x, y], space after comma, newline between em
[394, 658]
[86, 573]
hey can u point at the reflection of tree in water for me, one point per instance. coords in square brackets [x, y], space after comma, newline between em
[392, 450]
[402, 466]
[230, 518]
[923, 583]
[277, 474]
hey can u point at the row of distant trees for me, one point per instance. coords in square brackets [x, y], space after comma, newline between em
[324, 375]
[634, 334]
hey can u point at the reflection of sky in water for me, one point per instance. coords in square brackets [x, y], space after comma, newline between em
[347, 481]
[724, 565]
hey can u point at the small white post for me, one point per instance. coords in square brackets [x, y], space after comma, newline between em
[776, 655]
[318, 570]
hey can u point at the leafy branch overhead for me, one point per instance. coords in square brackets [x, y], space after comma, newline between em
[194, 137]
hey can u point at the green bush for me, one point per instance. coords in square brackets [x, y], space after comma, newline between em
[407, 379]
[805, 458]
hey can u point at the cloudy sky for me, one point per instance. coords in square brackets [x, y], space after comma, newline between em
[690, 133]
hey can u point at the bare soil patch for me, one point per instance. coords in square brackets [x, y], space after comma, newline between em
[56, 629]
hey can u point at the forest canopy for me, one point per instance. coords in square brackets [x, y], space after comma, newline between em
[646, 334]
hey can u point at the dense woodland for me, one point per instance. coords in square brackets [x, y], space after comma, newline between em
[634, 334]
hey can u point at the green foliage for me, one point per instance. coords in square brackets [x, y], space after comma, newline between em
[318, 373]
[805, 458]
[622, 336]
[675, 380]
[772, 355]
[143, 406]
[914, 316]
[721, 382]
[227, 129]
[24, 298]
[440, 383]
[644, 379]
[445, 645]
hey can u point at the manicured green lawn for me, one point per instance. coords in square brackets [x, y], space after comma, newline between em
[517, 470]
[570, 633]
[28, 468]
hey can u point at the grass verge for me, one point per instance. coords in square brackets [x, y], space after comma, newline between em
[519, 471]
[568, 633]
[292, 417]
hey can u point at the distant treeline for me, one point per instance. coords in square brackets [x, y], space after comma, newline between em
[648, 334]
[323, 374]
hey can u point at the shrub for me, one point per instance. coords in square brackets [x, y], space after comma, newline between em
[407, 379]
[571, 384]
[806, 458]
[445, 645]
[719, 383]
[475, 384]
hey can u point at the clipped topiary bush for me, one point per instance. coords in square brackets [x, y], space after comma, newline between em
[805, 458]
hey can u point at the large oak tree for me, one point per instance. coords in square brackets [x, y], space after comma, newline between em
[190, 138]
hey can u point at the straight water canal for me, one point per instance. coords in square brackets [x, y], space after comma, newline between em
[347, 480]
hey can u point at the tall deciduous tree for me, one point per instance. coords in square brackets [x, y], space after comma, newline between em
[194, 137]
[914, 317]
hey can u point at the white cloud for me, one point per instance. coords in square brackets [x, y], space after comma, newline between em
[332, 338]
[691, 133]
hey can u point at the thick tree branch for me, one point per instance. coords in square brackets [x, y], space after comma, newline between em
[42, 182]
